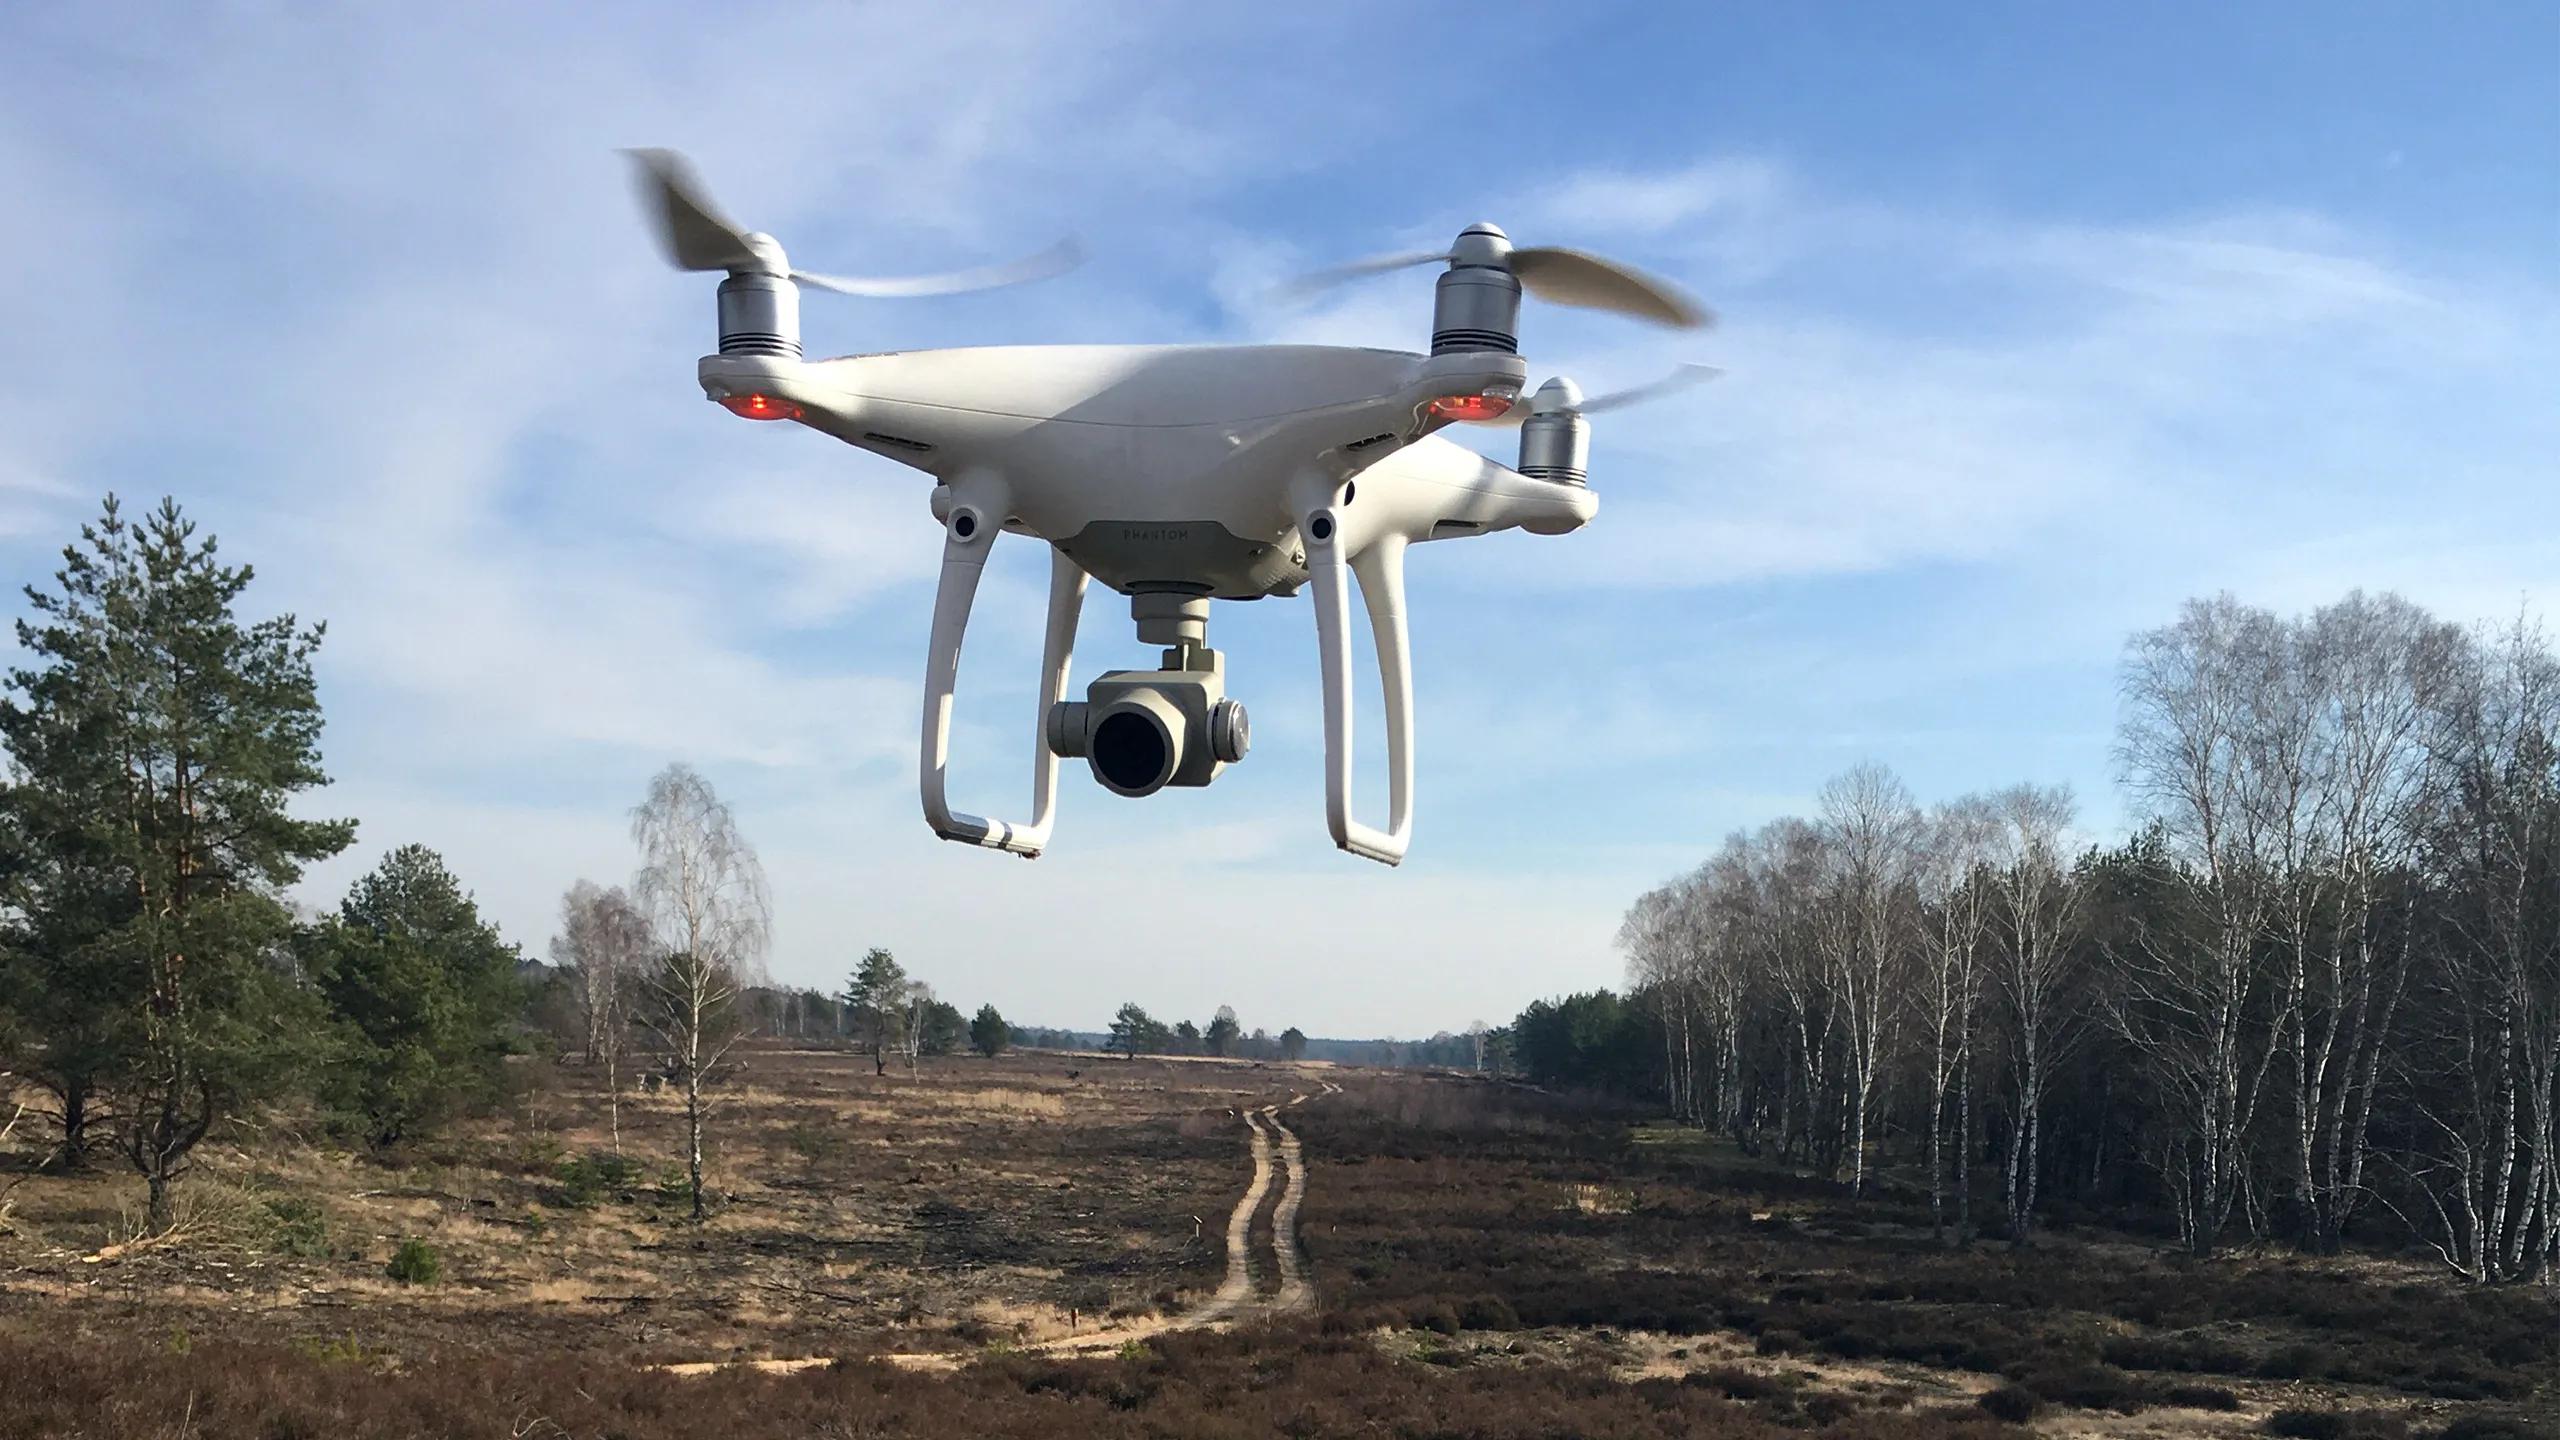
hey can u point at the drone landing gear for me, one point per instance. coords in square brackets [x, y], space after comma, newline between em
[969, 530]
[1380, 570]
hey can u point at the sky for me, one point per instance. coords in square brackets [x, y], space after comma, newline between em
[2036, 320]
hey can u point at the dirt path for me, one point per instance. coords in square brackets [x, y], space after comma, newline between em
[1295, 1292]
[1235, 1298]
[1236, 1292]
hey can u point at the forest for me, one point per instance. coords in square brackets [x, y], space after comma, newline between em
[2314, 997]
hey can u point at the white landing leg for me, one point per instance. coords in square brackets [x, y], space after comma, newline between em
[968, 534]
[1380, 570]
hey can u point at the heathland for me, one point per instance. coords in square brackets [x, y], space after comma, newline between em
[1054, 1243]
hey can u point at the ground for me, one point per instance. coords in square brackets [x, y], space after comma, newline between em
[1063, 1244]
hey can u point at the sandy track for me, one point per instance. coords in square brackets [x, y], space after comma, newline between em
[1237, 1291]
[1235, 1298]
[1295, 1292]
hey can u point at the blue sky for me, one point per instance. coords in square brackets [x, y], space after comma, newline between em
[2038, 319]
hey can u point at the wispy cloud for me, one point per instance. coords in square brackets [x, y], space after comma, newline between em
[371, 296]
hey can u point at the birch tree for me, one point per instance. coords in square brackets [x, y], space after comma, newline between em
[2375, 666]
[1955, 927]
[604, 944]
[2196, 999]
[2036, 904]
[1871, 823]
[703, 892]
[2491, 1169]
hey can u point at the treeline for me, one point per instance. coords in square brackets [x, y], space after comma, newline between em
[156, 986]
[2315, 996]
[1134, 1032]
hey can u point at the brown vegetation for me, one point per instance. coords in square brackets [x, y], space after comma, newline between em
[852, 1213]
[1488, 1260]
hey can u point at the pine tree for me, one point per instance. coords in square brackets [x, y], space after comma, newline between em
[158, 740]
[878, 995]
[427, 989]
[940, 1028]
[988, 1034]
[1135, 1032]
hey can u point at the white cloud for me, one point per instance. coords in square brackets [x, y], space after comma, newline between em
[372, 297]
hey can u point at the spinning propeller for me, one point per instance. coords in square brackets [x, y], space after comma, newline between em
[696, 236]
[1550, 272]
[1562, 396]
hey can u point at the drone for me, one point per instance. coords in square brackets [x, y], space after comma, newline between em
[1182, 474]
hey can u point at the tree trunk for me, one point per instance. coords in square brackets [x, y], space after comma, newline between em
[1937, 1163]
[613, 1092]
[1965, 1150]
[74, 1154]
[693, 1135]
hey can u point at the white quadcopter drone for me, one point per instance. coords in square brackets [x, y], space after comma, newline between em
[1178, 475]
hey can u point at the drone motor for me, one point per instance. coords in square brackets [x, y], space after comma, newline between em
[1477, 303]
[759, 314]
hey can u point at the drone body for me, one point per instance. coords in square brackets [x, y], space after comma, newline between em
[1178, 475]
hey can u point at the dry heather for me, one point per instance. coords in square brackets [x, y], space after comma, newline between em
[854, 1213]
[1485, 1261]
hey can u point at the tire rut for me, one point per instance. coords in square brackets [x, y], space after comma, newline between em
[1235, 1297]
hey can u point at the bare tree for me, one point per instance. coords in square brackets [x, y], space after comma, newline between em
[2492, 1181]
[912, 1006]
[703, 891]
[1953, 893]
[2201, 697]
[604, 944]
[2037, 907]
[1659, 939]
[1794, 861]
[2374, 667]
[1734, 940]
[1872, 824]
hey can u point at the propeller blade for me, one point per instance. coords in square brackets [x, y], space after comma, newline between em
[1678, 380]
[1315, 280]
[1681, 378]
[1575, 277]
[691, 230]
[1056, 260]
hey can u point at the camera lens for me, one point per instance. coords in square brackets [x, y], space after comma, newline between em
[1131, 751]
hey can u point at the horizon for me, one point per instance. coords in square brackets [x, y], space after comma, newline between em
[2011, 370]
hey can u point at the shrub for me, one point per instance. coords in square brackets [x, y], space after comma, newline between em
[1829, 1408]
[2089, 1387]
[818, 1144]
[2491, 1427]
[2337, 1424]
[1736, 1383]
[591, 1177]
[2012, 1403]
[1440, 1318]
[300, 1228]
[2201, 1397]
[415, 1263]
[2301, 1362]
[2180, 1352]
[1487, 1312]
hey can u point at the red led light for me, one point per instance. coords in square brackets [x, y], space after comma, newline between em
[761, 407]
[1471, 407]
